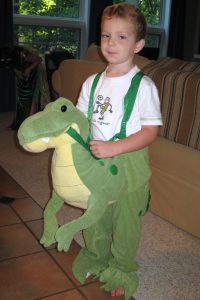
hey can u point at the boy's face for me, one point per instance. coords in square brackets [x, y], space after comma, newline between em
[118, 40]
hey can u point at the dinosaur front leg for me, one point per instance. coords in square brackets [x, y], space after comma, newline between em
[50, 221]
[96, 208]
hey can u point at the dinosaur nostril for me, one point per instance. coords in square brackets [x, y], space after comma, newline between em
[63, 108]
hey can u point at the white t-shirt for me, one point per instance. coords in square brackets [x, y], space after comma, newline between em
[108, 103]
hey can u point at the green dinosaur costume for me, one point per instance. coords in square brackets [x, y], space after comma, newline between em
[114, 192]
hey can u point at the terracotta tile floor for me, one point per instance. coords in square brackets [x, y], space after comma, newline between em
[27, 270]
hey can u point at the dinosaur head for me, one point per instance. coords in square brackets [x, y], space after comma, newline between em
[53, 121]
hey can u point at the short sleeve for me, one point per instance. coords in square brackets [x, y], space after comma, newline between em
[83, 100]
[149, 103]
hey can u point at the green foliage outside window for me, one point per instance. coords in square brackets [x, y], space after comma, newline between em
[54, 8]
[150, 8]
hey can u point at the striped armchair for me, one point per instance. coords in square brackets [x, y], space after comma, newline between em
[175, 156]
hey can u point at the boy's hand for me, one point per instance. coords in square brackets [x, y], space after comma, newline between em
[102, 149]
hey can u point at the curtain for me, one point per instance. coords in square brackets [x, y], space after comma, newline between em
[7, 78]
[184, 33]
[177, 29]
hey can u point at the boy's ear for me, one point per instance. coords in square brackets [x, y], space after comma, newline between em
[139, 45]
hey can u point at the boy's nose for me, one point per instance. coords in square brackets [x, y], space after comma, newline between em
[111, 41]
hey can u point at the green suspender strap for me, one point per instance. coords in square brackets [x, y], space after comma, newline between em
[129, 101]
[90, 105]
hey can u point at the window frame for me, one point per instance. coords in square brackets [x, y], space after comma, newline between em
[81, 23]
[163, 29]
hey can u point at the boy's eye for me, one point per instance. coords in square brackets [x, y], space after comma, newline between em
[122, 37]
[105, 35]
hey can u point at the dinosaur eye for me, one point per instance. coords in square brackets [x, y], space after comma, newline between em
[63, 108]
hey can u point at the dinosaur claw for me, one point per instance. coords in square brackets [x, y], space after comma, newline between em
[59, 248]
[42, 240]
[62, 247]
[66, 248]
[46, 242]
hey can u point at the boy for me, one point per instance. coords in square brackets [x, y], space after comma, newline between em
[112, 244]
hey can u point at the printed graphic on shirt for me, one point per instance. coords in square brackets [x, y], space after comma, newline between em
[102, 106]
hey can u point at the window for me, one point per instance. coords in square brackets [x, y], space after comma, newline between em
[157, 13]
[49, 24]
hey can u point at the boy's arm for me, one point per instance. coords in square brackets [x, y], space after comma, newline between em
[134, 142]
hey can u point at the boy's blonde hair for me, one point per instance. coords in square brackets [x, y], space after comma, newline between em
[131, 13]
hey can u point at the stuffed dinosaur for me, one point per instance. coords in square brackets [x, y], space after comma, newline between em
[82, 180]
[78, 178]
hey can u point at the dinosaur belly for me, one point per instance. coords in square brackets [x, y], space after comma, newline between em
[67, 183]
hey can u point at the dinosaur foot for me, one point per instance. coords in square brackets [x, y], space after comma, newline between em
[118, 281]
[85, 265]
[63, 238]
[49, 231]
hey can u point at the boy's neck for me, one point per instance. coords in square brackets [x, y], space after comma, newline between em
[118, 70]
